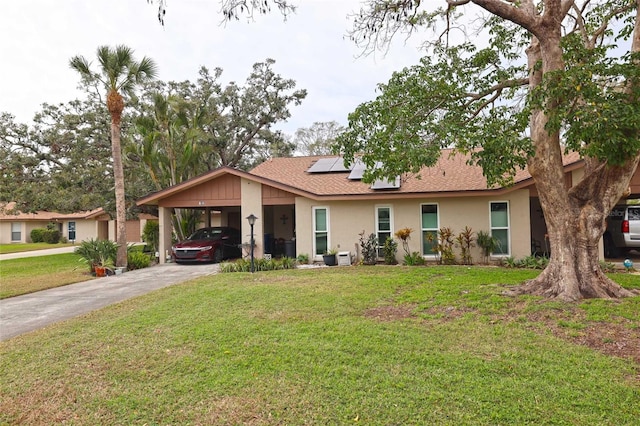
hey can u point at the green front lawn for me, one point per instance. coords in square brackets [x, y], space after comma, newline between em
[19, 248]
[353, 345]
[29, 274]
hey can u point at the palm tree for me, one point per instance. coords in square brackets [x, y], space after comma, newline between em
[168, 146]
[119, 73]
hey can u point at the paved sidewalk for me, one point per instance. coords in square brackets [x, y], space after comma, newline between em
[22, 314]
[35, 253]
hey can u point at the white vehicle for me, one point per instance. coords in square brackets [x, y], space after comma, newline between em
[623, 230]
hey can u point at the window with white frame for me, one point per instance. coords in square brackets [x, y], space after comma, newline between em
[430, 224]
[71, 228]
[500, 227]
[384, 226]
[16, 231]
[320, 230]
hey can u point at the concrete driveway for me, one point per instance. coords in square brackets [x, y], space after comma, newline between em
[22, 314]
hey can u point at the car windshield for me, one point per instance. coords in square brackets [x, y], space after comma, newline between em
[206, 234]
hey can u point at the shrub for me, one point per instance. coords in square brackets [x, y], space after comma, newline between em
[404, 235]
[88, 252]
[444, 246]
[509, 262]
[390, 249]
[244, 265]
[137, 260]
[413, 259]
[97, 252]
[46, 235]
[369, 246]
[533, 262]
[528, 262]
[37, 235]
[607, 266]
[51, 236]
[303, 258]
[487, 243]
[464, 240]
[151, 235]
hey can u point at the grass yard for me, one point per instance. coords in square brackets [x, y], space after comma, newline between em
[19, 248]
[29, 274]
[357, 345]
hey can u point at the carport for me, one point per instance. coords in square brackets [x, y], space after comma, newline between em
[226, 196]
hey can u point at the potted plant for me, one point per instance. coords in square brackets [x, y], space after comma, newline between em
[99, 255]
[88, 252]
[329, 257]
[105, 263]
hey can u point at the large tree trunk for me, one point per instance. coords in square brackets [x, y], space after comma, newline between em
[576, 217]
[575, 229]
[115, 105]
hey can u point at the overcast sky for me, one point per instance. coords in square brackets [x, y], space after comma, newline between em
[40, 36]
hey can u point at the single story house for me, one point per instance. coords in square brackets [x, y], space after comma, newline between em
[16, 226]
[308, 205]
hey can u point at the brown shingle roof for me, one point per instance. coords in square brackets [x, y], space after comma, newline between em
[8, 212]
[451, 174]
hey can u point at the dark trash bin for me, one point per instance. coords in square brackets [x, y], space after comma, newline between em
[290, 249]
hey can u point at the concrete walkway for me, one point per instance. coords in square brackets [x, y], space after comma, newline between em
[22, 314]
[36, 253]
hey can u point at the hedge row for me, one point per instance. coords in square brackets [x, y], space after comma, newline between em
[44, 235]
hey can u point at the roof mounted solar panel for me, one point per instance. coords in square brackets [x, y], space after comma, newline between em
[338, 166]
[323, 165]
[386, 184]
[357, 170]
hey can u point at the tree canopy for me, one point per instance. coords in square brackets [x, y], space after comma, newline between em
[539, 80]
[317, 139]
[171, 132]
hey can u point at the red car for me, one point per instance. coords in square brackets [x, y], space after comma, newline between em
[208, 245]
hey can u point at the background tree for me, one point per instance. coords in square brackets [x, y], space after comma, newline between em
[21, 164]
[317, 139]
[548, 81]
[239, 119]
[234, 9]
[185, 129]
[227, 126]
[168, 146]
[118, 72]
[57, 164]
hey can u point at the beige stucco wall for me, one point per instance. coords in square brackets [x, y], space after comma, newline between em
[577, 175]
[25, 229]
[349, 219]
[85, 229]
[5, 233]
[251, 198]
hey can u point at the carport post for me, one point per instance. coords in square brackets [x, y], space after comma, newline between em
[165, 228]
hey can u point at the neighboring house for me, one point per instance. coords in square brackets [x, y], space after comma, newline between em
[16, 226]
[312, 204]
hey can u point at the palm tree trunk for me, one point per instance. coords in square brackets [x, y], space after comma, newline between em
[115, 104]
